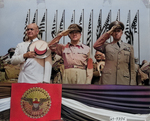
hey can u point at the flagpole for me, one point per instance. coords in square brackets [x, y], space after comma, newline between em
[64, 26]
[92, 35]
[119, 14]
[74, 16]
[110, 22]
[138, 37]
[101, 23]
[46, 26]
[56, 20]
[37, 16]
[82, 25]
[29, 17]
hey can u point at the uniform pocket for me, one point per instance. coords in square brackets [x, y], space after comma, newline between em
[83, 54]
[110, 55]
[126, 75]
[67, 51]
[127, 55]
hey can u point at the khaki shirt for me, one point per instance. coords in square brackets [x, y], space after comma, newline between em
[74, 55]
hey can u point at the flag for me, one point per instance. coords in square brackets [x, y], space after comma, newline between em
[107, 22]
[40, 102]
[40, 1]
[53, 32]
[127, 29]
[80, 20]
[99, 25]
[72, 19]
[34, 18]
[42, 26]
[26, 23]
[89, 34]
[134, 24]
[118, 16]
[106, 25]
[81, 23]
[61, 26]
[133, 28]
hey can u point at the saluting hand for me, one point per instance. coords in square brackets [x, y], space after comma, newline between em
[55, 40]
[112, 29]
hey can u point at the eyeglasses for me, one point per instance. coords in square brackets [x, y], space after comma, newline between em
[29, 29]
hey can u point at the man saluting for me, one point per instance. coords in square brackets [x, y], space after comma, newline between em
[77, 62]
[119, 57]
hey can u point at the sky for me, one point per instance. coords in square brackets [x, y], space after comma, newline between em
[13, 14]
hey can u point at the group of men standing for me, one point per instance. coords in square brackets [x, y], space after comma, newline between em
[118, 68]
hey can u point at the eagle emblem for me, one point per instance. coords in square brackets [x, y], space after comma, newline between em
[35, 102]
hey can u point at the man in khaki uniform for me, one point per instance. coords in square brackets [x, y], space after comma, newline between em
[119, 64]
[98, 67]
[77, 62]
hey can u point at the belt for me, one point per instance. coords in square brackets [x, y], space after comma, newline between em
[75, 66]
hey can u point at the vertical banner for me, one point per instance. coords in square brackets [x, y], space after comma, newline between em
[35, 102]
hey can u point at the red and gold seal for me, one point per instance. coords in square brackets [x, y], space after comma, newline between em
[36, 102]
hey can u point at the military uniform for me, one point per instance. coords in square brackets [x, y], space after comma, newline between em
[78, 66]
[75, 62]
[119, 64]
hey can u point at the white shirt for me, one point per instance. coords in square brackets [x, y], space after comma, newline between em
[30, 70]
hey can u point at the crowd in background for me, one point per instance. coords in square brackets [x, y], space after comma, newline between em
[9, 72]
[142, 77]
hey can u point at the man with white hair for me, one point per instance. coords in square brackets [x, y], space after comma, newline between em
[35, 68]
